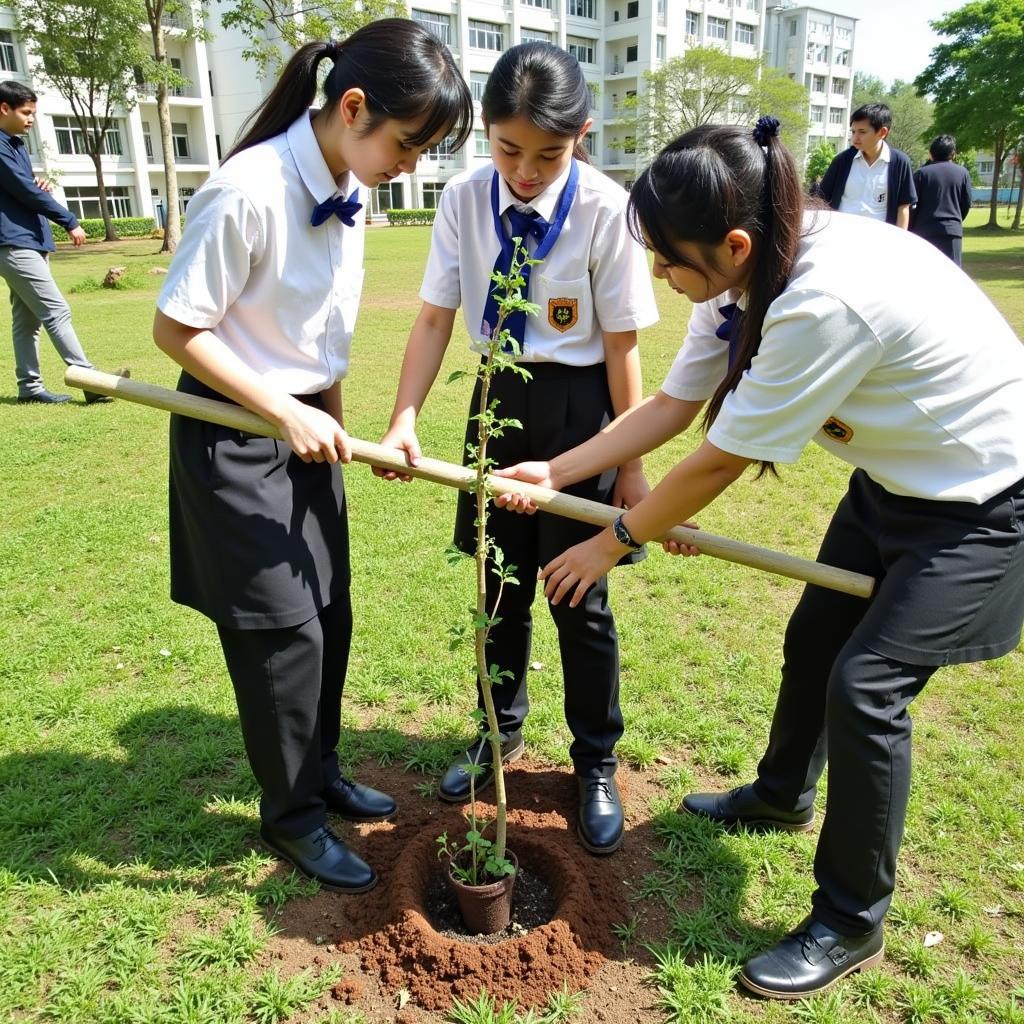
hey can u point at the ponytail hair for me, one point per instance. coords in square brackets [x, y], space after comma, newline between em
[405, 72]
[703, 185]
[544, 84]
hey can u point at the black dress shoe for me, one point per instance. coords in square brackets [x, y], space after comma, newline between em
[454, 787]
[809, 960]
[323, 856]
[44, 397]
[599, 822]
[92, 397]
[743, 807]
[355, 802]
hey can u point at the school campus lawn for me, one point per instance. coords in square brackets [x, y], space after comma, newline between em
[131, 889]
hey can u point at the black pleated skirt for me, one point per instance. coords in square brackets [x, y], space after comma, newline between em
[258, 538]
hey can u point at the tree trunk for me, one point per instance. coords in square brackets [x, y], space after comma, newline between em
[998, 155]
[172, 225]
[109, 232]
[1015, 226]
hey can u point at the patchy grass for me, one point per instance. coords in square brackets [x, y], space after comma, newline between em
[129, 889]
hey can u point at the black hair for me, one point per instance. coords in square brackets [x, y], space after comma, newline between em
[706, 183]
[15, 95]
[405, 71]
[878, 114]
[943, 147]
[544, 84]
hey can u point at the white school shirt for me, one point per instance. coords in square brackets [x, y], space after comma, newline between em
[595, 263]
[280, 293]
[867, 187]
[882, 351]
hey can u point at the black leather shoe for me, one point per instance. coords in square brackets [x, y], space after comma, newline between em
[44, 397]
[355, 802]
[809, 960]
[743, 807]
[599, 822]
[323, 856]
[92, 397]
[454, 787]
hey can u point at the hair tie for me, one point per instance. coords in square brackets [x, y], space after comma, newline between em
[766, 128]
[333, 50]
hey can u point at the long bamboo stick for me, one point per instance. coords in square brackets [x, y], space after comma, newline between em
[447, 473]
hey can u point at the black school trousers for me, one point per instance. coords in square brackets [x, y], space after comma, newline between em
[950, 590]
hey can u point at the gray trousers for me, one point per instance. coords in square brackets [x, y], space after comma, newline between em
[36, 302]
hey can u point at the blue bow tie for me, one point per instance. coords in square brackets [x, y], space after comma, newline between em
[729, 329]
[338, 206]
[525, 223]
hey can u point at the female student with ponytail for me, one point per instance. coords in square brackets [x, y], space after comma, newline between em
[895, 362]
[259, 307]
[594, 293]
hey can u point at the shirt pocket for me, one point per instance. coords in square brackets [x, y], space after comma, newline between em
[566, 307]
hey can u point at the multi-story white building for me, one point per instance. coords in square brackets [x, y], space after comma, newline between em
[815, 47]
[615, 41]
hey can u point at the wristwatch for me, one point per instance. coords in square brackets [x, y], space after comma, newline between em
[623, 536]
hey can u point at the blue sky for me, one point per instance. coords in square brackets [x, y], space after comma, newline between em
[893, 37]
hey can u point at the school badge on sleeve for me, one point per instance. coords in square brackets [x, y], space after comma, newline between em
[563, 313]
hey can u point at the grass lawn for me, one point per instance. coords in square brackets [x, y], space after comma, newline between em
[130, 889]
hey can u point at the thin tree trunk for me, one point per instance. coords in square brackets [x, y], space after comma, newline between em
[1015, 226]
[172, 225]
[109, 232]
[998, 155]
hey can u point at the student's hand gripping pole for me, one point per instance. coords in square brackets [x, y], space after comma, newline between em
[447, 473]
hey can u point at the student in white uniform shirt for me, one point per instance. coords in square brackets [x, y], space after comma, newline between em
[899, 365]
[259, 307]
[594, 293]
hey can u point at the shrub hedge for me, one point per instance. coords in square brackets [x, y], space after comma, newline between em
[399, 218]
[126, 227]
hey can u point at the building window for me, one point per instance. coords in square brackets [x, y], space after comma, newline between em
[817, 114]
[439, 25]
[8, 52]
[792, 26]
[432, 194]
[481, 144]
[534, 35]
[659, 47]
[216, 140]
[842, 57]
[843, 34]
[485, 36]
[442, 151]
[179, 89]
[692, 23]
[986, 166]
[185, 193]
[718, 28]
[817, 53]
[147, 139]
[546, 4]
[387, 197]
[179, 136]
[581, 49]
[71, 140]
[592, 89]
[633, 9]
[85, 201]
[477, 82]
[836, 115]
[839, 86]
[589, 143]
[745, 33]
[582, 9]
[819, 83]
[632, 53]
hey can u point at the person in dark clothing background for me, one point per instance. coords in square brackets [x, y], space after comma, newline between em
[943, 199]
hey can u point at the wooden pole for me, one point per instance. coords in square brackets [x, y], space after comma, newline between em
[447, 473]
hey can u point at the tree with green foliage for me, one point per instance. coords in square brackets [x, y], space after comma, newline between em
[276, 27]
[818, 162]
[977, 80]
[87, 51]
[707, 86]
[912, 114]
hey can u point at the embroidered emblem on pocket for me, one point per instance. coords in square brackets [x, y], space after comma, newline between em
[563, 314]
[838, 430]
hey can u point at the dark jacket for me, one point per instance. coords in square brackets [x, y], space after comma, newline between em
[900, 190]
[943, 199]
[24, 206]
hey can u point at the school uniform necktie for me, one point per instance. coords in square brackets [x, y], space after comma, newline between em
[337, 206]
[523, 225]
[730, 329]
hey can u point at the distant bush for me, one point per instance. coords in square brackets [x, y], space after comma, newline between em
[402, 218]
[126, 227]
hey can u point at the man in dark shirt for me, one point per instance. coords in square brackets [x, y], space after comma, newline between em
[25, 244]
[943, 199]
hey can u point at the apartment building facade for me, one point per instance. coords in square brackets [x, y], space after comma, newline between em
[615, 41]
